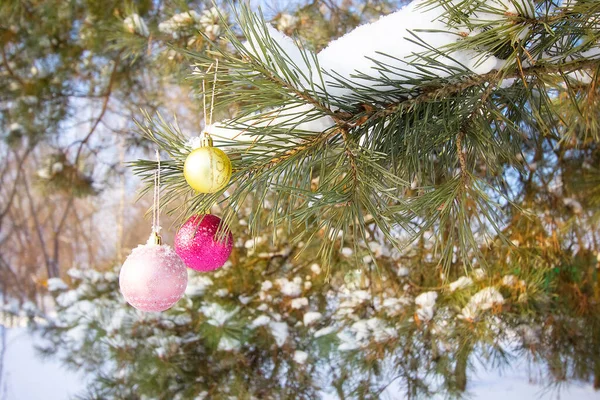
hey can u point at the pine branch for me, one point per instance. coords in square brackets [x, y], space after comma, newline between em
[491, 78]
[433, 132]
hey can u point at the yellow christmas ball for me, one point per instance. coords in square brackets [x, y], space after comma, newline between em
[207, 169]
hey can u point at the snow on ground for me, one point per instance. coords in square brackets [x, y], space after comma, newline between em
[26, 376]
[517, 383]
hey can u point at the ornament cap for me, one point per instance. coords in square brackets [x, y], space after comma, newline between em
[155, 238]
[206, 141]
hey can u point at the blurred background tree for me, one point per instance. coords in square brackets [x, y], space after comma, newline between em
[276, 322]
[75, 75]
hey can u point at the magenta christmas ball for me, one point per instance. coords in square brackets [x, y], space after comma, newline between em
[153, 278]
[197, 245]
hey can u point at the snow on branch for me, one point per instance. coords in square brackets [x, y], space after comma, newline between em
[384, 62]
[355, 62]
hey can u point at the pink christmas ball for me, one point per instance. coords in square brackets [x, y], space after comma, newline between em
[197, 245]
[153, 278]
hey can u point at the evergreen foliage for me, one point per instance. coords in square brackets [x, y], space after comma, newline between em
[270, 324]
[459, 155]
[398, 233]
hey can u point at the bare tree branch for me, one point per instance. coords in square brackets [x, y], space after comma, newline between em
[38, 228]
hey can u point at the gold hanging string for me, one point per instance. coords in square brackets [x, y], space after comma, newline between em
[212, 98]
[208, 116]
[204, 98]
[156, 203]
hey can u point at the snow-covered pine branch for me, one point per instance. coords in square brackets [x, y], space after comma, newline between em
[393, 59]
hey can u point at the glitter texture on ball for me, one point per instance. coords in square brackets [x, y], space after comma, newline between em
[197, 245]
[153, 278]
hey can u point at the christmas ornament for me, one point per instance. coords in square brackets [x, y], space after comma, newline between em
[153, 277]
[197, 243]
[207, 169]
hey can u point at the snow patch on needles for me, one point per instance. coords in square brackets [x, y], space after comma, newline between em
[300, 356]
[135, 24]
[394, 306]
[347, 341]
[293, 117]
[509, 280]
[197, 285]
[289, 288]
[479, 274]
[56, 284]
[180, 21]
[392, 40]
[287, 22]
[360, 334]
[299, 303]
[216, 314]
[316, 269]
[324, 331]
[426, 299]
[228, 344]
[426, 304]
[380, 331]
[190, 21]
[481, 301]
[280, 332]
[460, 283]
[260, 321]
[351, 300]
[311, 317]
